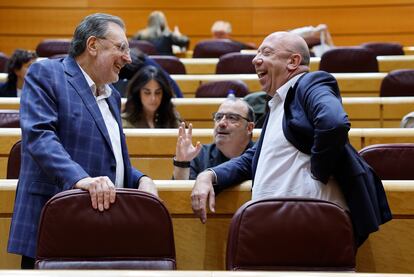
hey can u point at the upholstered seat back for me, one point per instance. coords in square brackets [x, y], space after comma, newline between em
[398, 83]
[135, 233]
[349, 59]
[290, 234]
[53, 47]
[3, 62]
[214, 48]
[235, 63]
[144, 46]
[171, 64]
[222, 89]
[9, 119]
[13, 162]
[384, 48]
[393, 161]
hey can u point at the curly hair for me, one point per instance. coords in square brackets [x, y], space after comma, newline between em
[165, 117]
[16, 62]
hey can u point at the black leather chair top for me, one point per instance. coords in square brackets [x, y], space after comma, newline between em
[171, 64]
[144, 46]
[3, 62]
[384, 48]
[235, 63]
[214, 48]
[290, 234]
[53, 47]
[394, 161]
[398, 83]
[14, 160]
[348, 60]
[135, 233]
[222, 89]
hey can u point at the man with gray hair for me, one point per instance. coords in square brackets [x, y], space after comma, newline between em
[72, 134]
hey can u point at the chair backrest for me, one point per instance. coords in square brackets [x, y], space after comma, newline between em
[9, 119]
[3, 62]
[144, 46]
[349, 59]
[214, 48]
[14, 160]
[290, 234]
[53, 47]
[384, 48]
[135, 233]
[171, 64]
[235, 63]
[394, 161]
[222, 89]
[398, 83]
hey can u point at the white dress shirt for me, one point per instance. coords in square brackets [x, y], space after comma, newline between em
[284, 171]
[111, 126]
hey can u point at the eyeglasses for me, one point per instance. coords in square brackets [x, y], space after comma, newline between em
[232, 117]
[122, 47]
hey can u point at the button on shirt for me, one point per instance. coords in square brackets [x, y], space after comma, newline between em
[111, 126]
[284, 171]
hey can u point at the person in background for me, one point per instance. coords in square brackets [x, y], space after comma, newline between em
[233, 129]
[72, 134]
[222, 30]
[148, 102]
[318, 38]
[139, 60]
[158, 33]
[304, 149]
[17, 67]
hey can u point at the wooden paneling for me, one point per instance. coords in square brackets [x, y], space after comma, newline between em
[251, 20]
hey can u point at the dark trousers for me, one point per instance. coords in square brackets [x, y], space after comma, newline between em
[27, 262]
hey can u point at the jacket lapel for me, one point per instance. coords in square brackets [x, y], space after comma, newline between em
[78, 82]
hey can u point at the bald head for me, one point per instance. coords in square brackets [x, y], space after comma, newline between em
[291, 43]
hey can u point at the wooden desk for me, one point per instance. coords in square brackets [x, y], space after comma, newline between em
[385, 64]
[151, 150]
[202, 247]
[350, 84]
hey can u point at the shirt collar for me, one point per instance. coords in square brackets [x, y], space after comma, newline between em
[283, 90]
[105, 93]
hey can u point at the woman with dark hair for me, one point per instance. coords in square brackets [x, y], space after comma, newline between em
[16, 68]
[148, 102]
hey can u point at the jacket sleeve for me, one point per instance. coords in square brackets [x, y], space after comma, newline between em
[39, 123]
[331, 125]
[234, 171]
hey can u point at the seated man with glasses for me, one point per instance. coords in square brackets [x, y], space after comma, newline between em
[233, 128]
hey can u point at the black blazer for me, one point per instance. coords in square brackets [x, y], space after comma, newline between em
[8, 90]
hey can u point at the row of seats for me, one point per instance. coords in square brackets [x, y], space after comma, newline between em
[212, 48]
[270, 234]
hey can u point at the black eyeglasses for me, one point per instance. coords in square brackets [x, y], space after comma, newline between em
[232, 117]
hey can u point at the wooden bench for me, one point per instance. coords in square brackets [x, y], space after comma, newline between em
[151, 150]
[350, 84]
[385, 64]
[202, 246]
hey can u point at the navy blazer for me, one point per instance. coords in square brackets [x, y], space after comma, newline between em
[64, 139]
[316, 124]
